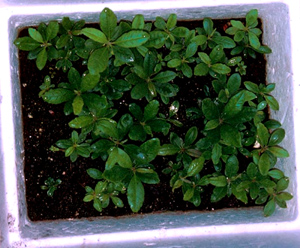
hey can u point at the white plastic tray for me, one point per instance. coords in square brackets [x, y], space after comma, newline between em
[225, 228]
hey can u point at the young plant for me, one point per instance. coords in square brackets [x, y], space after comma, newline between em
[51, 185]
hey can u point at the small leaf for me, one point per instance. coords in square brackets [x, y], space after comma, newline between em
[135, 194]
[150, 148]
[191, 136]
[34, 34]
[251, 86]
[276, 137]
[88, 198]
[282, 184]
[77, 105]
[89, 82]
[188, 194]
[208, 26]
[279, 152]
[210, 110]
[173, 63]
[57, 96]
[81, 121]
[168, 149]
[41, 59]
[171, 22]
[132, 39]
[151, 110]
[95, 35]
[212, 124]
[181, 32]
[191, 50]
[284, 196]
[205, 58]
[195, 167]
[108, 22]
[216, 153]
[118, 156]
[276, 174]
[253, 39]
[97, 205]
[218, 194]
[98, 61]
[264, 164]
[165, 77]
[201, 69]
[269, 208]
[251, 18]
[263, 134]
[94, 173]
[231, 136]
[26, 44]
[234, 105]
[149, 178]
[219, 181]
[52, 30]
[138, 22]
[237, 24]
[272, 102]
[232, 166]
[234, 83]
[117, 201]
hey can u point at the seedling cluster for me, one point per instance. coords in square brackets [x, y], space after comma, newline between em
[142, 60]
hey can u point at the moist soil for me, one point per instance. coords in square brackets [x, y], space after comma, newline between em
[44, 124]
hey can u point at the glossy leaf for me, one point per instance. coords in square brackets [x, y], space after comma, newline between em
[168, 149]
[276, 137]
[151, 110]
[94, 173]
[108, 22]
[264, 164]
[195, 167]
[269, 208]
[279, 152]
[135, 194]
[120, 157]
[132, 39]
[263, 134]
[95, 35]
[191, 136]
[231, 136]
[232, 166]
[98, 61]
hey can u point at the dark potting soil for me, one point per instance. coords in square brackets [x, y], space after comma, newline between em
[44, 124]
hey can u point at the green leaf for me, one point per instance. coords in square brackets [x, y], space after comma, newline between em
[279, 152]
[251, 86]
[218, 194]
[132, 39]
[269, 207]
[191, 50]
[77, 105]
[97, 205]
[88, 198]
[263, 134]
[208, 26]
[98, 61]
[276, 174]
[191, 136]
[94, 173]
[41, 59]
[26, 44]
[136, 111]
[186, 70]
[74, 77]
[225, 41]
[138, 22]
[171, 22]
[139, 91]
[195, 167]
[137, 132]
[157, 39]
[52, 30]
[239, 36]
[188, 194]
[234, 105]
[135, 194]
[181, 32]
[165, 76]
[123, 55]
[150, 177]
[282, 184]
[108, 22]
[232, 166]
[205, 58]
[220, 68]
[276, 137]
[168, 149]
[34, 34]
[89, 82]
[81, 121]
[284, 196]
[216, 153]
[252, 170]
[251, 18]
[57, 96]
[117, 201]
[234, 83]
[107, 127]
[237, 24]
[210, 110]
[272, 102]
[173, 63]
[212, 124]
[95, 35]
[201, 69]
[254, 41]
[264, 164]
[219, 181]
[151, 110]
[120, 157]
[150, 149]
[231, 136]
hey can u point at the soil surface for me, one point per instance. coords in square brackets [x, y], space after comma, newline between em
[44, 124]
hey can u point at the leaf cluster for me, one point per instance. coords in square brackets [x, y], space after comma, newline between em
[238, 145]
